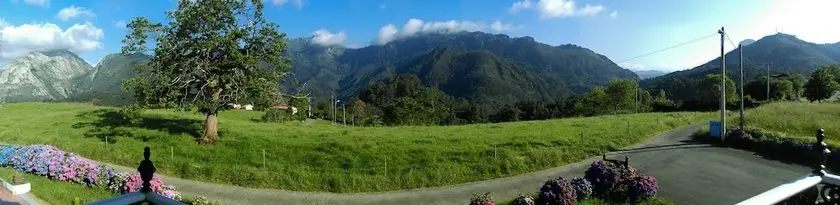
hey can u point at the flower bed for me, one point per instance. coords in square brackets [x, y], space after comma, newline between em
[610, 182]
[49, 161]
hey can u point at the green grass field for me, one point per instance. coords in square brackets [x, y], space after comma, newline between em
[57, 192]
[798, 120]
[323, 157]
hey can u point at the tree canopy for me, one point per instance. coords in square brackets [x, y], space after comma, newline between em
[821, 85]
[209, 54]
[710, 90]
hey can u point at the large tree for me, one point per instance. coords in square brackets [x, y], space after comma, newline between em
[208, 54]
[623, 94]
[710, 90]
[798, 85]
[821, 85]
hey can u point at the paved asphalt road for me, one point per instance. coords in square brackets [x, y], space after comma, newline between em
[687, 172]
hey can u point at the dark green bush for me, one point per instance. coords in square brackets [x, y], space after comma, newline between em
[273, 115]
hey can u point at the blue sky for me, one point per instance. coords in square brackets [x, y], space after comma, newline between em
[619, 29]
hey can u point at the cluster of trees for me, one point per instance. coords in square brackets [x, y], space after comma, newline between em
[404, 100]
[621, 96]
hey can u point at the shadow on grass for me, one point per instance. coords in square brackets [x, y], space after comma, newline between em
[108, 124]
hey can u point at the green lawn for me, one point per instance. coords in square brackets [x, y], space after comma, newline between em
[57, 192]
[323, 157]
[798, 120]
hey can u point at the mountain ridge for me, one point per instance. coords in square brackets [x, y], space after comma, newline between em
[782, 53]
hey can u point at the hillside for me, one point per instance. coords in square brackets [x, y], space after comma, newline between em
[41, 76]
[335, 69]
[103, 82]
[785, 54]
[478, 76]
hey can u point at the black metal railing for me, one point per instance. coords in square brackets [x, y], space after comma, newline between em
[147, 170]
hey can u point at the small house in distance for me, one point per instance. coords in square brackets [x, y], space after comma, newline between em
[240, 106]
[285, 107]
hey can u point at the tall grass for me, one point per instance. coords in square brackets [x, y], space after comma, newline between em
[798, 120]
[324, 157]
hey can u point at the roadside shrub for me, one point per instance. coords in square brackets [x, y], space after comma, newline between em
[583, 189]
[556, 192]
[609, 180]
[642, 187]
[482, 199]
[273, 115]
[523, 199]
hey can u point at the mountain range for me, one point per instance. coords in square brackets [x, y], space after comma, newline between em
[780, 53]
[493, 69]
[440, 58]
[645, 74]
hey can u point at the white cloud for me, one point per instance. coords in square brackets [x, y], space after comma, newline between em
[20, 40]
[386, 34]
[499, 26]
[3, 23]
[556, 8]
[519, 5]
[73, 12]
[590, 10]
[120, 24]
[614, 14]
[414, 26]
[41, 3]
[325, 38]
[296, 3]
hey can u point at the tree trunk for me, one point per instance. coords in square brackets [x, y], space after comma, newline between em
[211, 130]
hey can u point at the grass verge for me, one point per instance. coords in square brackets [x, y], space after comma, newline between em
[323, 157]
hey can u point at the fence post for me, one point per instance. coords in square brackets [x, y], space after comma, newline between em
[494, 152]
[263, 157]
[171, 154]
[386, 166]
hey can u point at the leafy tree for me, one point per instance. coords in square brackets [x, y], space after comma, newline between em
[209, 54]
[821, 85]
[403, 100]
[757, 88]
[834, 70]
[645, 101]
[662, 99]
[798, 82]
[710, 90]
[595, 102]
[507, 114]
[782, 89]
[622, 94]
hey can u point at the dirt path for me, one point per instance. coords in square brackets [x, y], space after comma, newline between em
[688, 173]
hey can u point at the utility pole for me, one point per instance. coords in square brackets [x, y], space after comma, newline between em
[722, 86]
[768, 82]
[741, 64]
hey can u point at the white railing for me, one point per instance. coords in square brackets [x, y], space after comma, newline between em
[807, 185]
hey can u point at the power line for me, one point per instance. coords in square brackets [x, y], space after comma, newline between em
[667, 48]
[730, 40]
